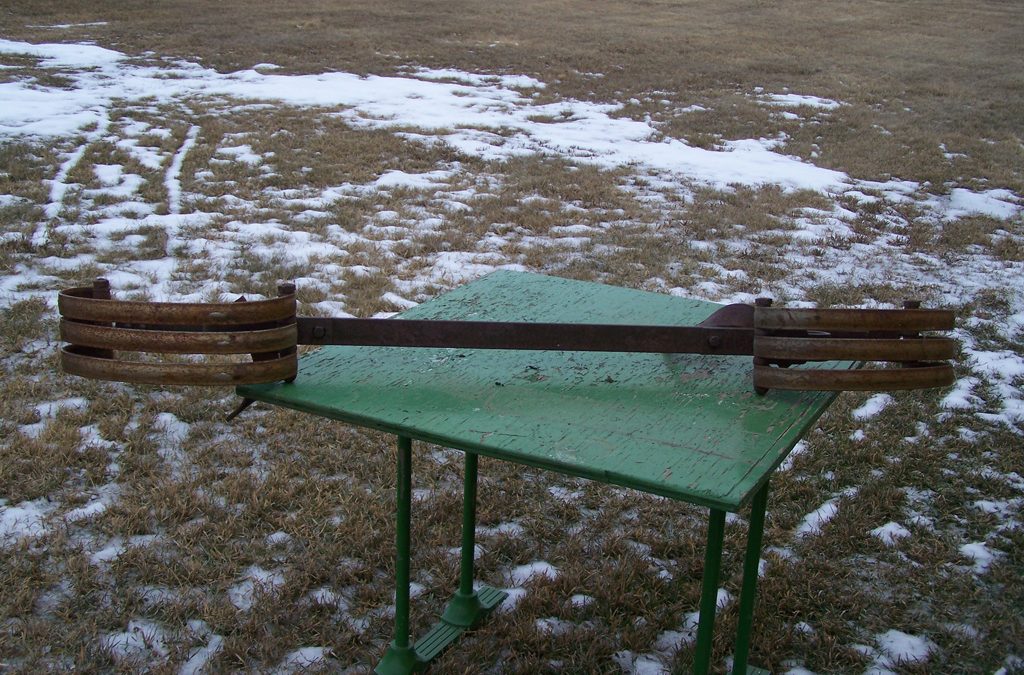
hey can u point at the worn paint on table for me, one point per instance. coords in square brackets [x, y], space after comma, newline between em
[683, 426]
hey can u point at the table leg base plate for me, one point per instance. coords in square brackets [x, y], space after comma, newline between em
[404, 661]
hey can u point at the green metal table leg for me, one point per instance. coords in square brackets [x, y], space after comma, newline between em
[709, 592]
[748, 594]
[400, 657]
[466, 607]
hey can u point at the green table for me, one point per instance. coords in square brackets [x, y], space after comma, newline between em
[683, 426]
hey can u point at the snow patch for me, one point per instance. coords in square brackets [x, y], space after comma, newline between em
[581, 600]
[798, 449]
[981, 554]
[553, 626]
[890, 533]
[303, 659]
[141, 641]
[872, 407]
[799, 101]
[899, 648]
[816, 519]
[540, 569]
[588, 132]
[23, 521]
[257, 580]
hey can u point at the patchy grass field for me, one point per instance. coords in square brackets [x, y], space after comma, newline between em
[853, 154]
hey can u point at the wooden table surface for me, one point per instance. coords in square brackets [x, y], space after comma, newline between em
[683, 426]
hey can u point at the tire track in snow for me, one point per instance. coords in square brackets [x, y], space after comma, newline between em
[59, 185]
[172, 179]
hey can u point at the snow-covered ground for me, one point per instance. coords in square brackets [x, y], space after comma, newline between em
[464, 111]
[490, 117]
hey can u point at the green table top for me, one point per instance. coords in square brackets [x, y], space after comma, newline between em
[683, 426]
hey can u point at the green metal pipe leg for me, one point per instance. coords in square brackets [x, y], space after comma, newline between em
[748, 594]
[468, 524]
[400, 657]
[403, 526]
[464, 608]
[709, 592]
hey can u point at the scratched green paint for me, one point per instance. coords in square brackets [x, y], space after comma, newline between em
[683, 426]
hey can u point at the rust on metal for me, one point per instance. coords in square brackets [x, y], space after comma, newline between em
[152, 339]
[865, 379]
[760, 305]
[78, 304]
[736, 315]
[510, 335]
[101, 291]
[882, 320]
[162, 373]
[98, 329]
[787, 336]
[855, 349]
[727, 331]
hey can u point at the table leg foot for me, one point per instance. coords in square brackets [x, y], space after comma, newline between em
[399, 661]
[462, 613]
[469, 609]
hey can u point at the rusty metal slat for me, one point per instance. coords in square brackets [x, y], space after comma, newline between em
[201, 374]
[178, 342]
[864, 349]
[511, 335]
[855, 320]
[77, 304]
[889, 379]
